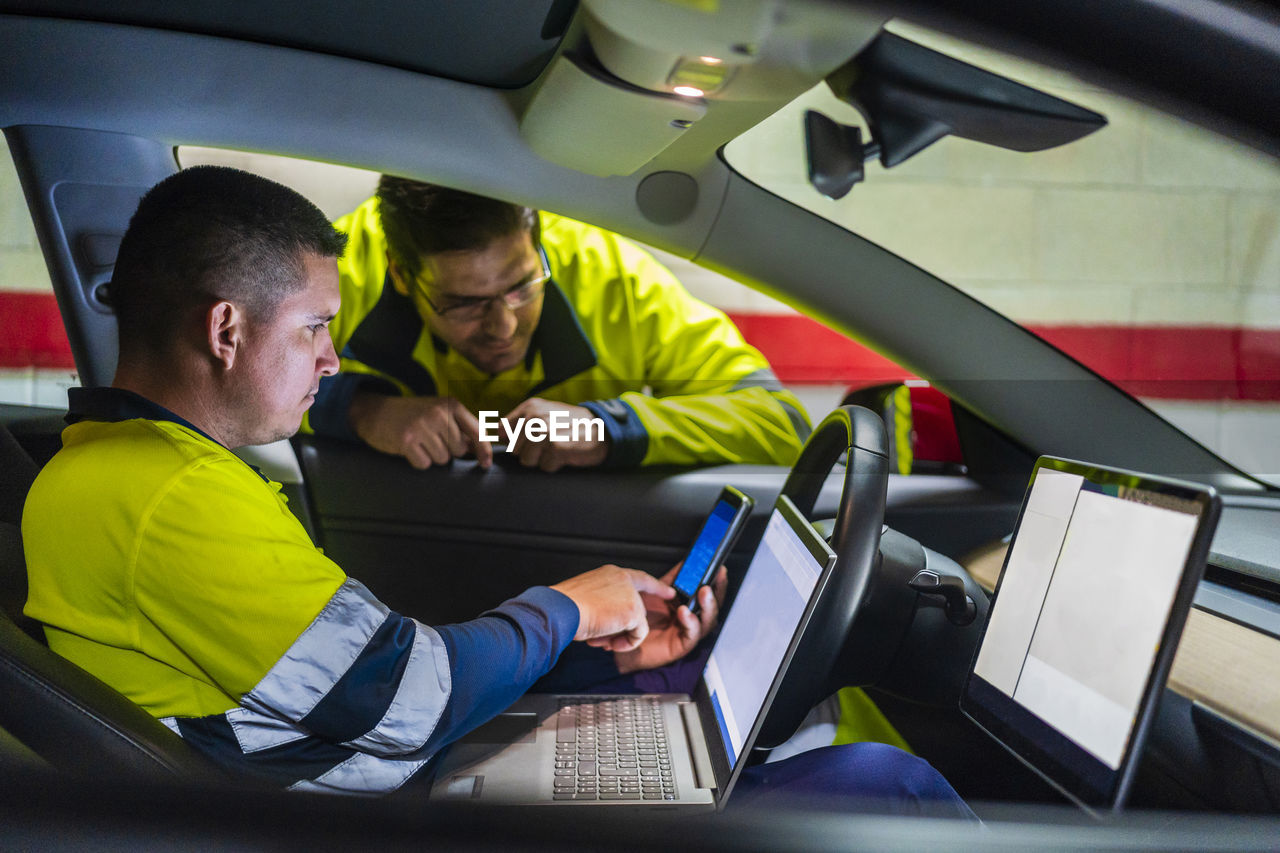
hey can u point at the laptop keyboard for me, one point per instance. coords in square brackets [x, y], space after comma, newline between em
[612, 749]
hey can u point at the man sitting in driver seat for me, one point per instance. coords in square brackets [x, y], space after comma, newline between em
[173, 571]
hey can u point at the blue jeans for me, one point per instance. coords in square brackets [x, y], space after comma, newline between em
[862, 777]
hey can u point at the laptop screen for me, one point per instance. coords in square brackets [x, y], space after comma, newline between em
[1099, 572]
[764, 620]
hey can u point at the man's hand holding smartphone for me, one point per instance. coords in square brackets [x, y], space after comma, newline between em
[699, 580]
[674, 629]
[712, 546]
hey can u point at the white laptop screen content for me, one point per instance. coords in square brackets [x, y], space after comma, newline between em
[1085, 597]
[759, 629]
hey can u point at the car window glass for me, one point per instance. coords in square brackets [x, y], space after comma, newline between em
[1149, 251]
[820, 375]
[35, 359]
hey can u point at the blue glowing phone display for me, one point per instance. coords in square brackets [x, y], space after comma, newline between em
[697, 565]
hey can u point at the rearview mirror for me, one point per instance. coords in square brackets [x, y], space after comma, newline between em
[912, 96]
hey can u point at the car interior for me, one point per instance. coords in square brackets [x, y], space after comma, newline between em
[572, 107]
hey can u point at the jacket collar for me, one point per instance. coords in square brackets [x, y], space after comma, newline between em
[112, 405]
[566, 350]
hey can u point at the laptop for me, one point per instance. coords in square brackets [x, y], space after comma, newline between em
[684, 751]
[1096, 587]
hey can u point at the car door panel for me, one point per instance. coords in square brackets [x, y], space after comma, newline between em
[485, 535]
[448, 542]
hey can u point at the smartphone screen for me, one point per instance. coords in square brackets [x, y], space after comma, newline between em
[713, 542]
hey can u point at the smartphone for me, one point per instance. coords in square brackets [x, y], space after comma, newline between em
[713, 544]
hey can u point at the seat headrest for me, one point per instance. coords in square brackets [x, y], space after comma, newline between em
[19, 473]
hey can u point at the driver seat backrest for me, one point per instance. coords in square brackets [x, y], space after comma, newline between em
[19, 473]
[53, 707]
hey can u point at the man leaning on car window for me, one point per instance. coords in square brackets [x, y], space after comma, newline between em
[173, 571]
[460, 311]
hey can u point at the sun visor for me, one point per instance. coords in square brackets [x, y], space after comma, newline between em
[582, 119]
[634, 75]
[746, 50]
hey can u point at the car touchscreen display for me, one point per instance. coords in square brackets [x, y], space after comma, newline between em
[1096, 583]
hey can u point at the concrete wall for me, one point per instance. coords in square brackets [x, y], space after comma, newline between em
[21, 264]
[1148, 223]
[22, 270]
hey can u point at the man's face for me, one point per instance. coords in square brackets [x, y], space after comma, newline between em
[491, 335]
[283, 358]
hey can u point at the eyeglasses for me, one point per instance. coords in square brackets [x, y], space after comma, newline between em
[463, 309]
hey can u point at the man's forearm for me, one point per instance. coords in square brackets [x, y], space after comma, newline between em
[751, 425]
[494, 659]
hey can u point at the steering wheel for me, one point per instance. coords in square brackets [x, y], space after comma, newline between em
[840, 646]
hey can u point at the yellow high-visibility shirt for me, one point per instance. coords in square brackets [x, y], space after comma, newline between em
[180, 608]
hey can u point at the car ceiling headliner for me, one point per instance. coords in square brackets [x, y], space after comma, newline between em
[500, 43]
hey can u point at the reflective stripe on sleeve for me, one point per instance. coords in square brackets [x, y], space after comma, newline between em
[762, 378]
[256, 731]
[798, 421]
[419, 701]
[768, 380]
[281, 765]
[319, 657]
[362, 773]
[360, 675]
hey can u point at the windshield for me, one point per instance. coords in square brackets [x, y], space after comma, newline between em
[1149, 250]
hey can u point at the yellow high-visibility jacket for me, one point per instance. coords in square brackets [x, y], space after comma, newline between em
[670, 376]
[167, 567]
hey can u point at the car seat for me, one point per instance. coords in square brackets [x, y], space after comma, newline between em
[51, 706]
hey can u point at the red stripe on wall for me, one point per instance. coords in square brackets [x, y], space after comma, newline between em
[31, 333]
[1178, 362]
[1164, 362]
[802, 350]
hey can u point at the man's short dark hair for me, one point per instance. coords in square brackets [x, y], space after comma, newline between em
[421, 219]
[210, 233]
